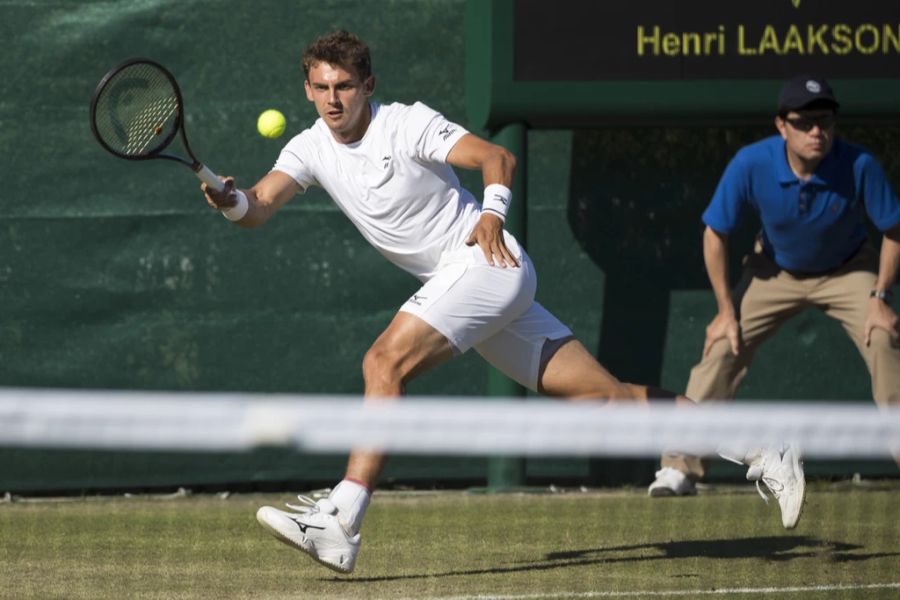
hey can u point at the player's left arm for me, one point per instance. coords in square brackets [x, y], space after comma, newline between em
[881, 314]
[497, 166]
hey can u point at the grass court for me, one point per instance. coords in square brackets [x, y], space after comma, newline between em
[726, 542]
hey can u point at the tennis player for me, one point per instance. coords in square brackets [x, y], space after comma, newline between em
[389, 169]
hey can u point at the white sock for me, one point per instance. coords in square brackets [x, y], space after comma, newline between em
[352, 500]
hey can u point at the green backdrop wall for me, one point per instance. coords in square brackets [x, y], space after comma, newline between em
[117, 275]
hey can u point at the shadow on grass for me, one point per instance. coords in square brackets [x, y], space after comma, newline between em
[769, 548]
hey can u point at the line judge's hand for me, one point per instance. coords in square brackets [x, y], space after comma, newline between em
[724, 325]
[882, 316]
[220, 200]
[488, 234]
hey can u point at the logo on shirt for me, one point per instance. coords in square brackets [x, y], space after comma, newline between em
[446, 132]
[386, 160]
[417, 299]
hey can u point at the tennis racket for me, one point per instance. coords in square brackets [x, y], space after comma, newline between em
[136, 112]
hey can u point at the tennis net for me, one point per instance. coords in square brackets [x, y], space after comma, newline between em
[435, 425]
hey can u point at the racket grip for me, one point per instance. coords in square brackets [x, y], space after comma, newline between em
[209, 178]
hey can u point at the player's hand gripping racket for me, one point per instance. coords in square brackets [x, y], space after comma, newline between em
[137, 111]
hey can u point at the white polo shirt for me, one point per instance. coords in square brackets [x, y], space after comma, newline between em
[394, 184]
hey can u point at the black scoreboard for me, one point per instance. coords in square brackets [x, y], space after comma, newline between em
[567, 62]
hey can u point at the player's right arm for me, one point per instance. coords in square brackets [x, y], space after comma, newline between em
[725, 323]
[497, 165]
[262, 200]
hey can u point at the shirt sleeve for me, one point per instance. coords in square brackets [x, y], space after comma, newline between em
[294, 161]
[730, 200]
[882, 203]
[430, 135]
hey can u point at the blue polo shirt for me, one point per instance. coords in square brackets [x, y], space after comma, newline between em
[809, 226]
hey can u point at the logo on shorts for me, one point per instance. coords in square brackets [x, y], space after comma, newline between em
[417, 299]
[446, 132]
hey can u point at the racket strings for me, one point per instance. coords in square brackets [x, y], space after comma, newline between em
[137, 112]
[149, 125]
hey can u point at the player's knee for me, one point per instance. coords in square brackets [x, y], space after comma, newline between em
[381, 365]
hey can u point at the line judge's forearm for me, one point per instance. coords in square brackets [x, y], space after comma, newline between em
[889, 261]
[715, 256]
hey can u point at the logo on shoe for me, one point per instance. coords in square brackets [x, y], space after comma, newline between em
[304, 526]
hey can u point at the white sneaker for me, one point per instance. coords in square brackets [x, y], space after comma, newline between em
[671, 482]
[314, 529]
[782, 472]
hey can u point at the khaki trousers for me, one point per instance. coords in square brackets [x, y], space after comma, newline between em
[766, 297]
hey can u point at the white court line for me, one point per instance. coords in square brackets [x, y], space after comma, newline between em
[663, 593]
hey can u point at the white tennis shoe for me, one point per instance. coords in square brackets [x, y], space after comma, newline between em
[782, 472]
[314, 529]
[671, 482]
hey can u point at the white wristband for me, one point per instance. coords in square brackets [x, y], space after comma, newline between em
[496, 200]
[237, 212]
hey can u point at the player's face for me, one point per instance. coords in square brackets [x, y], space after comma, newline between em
[808, 134]
[341, 99]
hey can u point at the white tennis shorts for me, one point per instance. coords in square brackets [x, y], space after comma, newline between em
[491, 309]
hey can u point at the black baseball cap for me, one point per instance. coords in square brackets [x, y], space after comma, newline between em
[804, 90]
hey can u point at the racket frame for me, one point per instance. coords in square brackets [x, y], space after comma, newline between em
[200, 170]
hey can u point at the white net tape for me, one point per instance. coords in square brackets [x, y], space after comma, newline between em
[450, 426]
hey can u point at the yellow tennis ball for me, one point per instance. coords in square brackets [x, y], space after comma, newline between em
[271, 123]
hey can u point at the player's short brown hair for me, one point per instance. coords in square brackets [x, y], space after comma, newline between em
[340, 48]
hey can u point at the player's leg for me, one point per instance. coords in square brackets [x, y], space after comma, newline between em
[328, 529]
[765, 299]
[463, 303]
[569, 371]
[408, 347]
[466, 301]
[538, 351]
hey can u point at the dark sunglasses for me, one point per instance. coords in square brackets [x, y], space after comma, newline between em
[807, 123]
